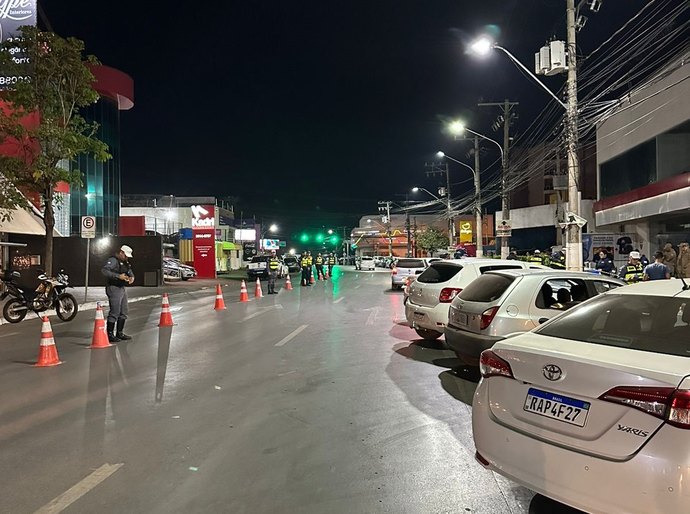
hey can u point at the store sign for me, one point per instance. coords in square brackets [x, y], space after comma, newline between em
[203, 216]
[503, 228]
[14, 14]
[204, 240]
[270, 244]
[465, 232]
[245, 234]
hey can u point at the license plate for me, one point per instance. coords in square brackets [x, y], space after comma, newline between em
[556, 406]
[461, 318]
[419, 316]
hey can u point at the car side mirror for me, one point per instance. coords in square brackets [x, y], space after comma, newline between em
[543, 320]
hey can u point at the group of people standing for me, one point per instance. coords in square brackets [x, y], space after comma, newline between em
[307, 262]
[667, 263]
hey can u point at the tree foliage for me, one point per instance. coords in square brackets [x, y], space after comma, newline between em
[431, 239]
[41, 121]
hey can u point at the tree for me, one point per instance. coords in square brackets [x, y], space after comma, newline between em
[431, 239]
[40, 116]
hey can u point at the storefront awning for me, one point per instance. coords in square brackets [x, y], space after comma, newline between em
[226, 245]
[23, 222]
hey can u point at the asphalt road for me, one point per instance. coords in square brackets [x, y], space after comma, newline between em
[314, 400]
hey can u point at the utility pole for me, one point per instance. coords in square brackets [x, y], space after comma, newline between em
[573, 254]
[477, 192]
[414, 232]
[436, 169]
[506, 108]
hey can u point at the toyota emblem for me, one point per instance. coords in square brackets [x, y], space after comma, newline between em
[552, 372]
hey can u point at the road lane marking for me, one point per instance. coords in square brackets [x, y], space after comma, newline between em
[10, 334]
[79, 489]
[291, 336]
[339, 299]
[372, 316]
[263, 310]
[357, 286]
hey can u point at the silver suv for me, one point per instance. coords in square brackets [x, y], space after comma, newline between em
[406, 267]
[500, 303]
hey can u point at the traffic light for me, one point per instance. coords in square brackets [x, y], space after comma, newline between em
[319, 238]
[304, 238]
[335, 239]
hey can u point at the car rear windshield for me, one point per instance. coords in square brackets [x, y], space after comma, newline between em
[260, 258]
[649, 323]
[439, 272]
[486, 288]
[410, 263]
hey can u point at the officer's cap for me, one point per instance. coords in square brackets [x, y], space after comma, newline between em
[634, 255]
[127, 251]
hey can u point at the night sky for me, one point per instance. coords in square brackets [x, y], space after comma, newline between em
[307, 113]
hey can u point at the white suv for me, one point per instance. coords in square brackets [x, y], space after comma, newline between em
[433, 291]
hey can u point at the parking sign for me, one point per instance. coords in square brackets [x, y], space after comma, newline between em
[88, 227]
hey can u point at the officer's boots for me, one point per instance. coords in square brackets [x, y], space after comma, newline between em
[112, 338]
[120, 334]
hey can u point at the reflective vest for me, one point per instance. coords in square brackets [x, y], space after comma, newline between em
[331, 260]
[632, 272]
[273, 264]
[559, 262]
[534, 258]
[319, 260]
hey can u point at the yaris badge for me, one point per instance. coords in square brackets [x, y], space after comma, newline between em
[552, 372]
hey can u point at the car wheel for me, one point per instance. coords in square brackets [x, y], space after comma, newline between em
[427, 334]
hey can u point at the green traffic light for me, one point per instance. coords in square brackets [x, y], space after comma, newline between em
[319, 238]
[335, 239]
[304, 238]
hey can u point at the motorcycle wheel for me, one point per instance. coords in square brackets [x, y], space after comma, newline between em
[12, 314]
[66, 307]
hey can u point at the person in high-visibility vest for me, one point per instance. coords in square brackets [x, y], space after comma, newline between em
[558, 259]
[319, 266]
[305, 264]
[331, 263]
[633, 270]
[273, 268]
[535, 257]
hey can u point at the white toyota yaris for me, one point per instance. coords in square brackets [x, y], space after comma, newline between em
[593, 408]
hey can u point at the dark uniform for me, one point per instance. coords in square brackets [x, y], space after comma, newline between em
[605, 265]
[305, 264]
[319, 266]
[631, 272]
[331, 263]
[558, 260]
[118, 273]
[273, 267]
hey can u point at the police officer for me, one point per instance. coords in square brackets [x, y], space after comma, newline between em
[273, 267]
[319, 265]
[558, 259]
[535, 257]
[331, 263]
[633, 271]
[310, 262]
[118, 273]
[605, 263]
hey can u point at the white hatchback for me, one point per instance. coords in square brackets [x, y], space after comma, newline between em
[432, 292]
[592, 408]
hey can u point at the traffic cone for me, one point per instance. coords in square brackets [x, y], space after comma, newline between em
[244, 295]
[220, 303]
[311, 279]
[257, 292]
[47, 351]
[100, 336]
[288, 283]
[166, 316]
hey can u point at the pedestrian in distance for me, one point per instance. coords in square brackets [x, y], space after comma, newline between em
[657, 270]
[683, 269]
[605, 263]
[319, 266]
[558, 259]
[512, 256]
[633, 270]
[273, 267]
[670, 258]
[118, 273]
[535, 257]
[331, 263]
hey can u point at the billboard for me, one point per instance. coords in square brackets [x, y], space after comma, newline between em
[245, 234]
[270, 244]
[204, 240]
[14, 14]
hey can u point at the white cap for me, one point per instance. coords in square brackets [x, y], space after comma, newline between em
[635, 255]
[127, 251]
[536, 252]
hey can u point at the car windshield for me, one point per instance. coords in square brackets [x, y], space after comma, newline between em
[649, 323]
[486, 288]
[260, 258]
[410, 263]
[439, 272]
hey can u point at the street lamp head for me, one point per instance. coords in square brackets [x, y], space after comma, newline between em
[482, 46]
[330, 231]
[415, 189]
[273, 228]
[457, 128]
[440, 154]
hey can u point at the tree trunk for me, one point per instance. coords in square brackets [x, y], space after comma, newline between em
[49, 222]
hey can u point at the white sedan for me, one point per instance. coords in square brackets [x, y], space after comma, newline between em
[592, 408]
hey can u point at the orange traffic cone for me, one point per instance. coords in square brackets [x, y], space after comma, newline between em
[220, 303]
[100, 337]
[257, 292]
[47, 351]
[311, 279]
[244, 295]
[166, 316]
[288, 284]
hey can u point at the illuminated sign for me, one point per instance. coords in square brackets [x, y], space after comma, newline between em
[245, 234]
[14, 14]
[203, 216]
[270, 244]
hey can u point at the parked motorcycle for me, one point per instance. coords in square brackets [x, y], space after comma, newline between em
[50, 294]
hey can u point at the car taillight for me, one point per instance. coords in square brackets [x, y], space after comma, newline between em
[491, 365]
[448, 293]
[488, 317]
[662, 402]
[394, 271]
